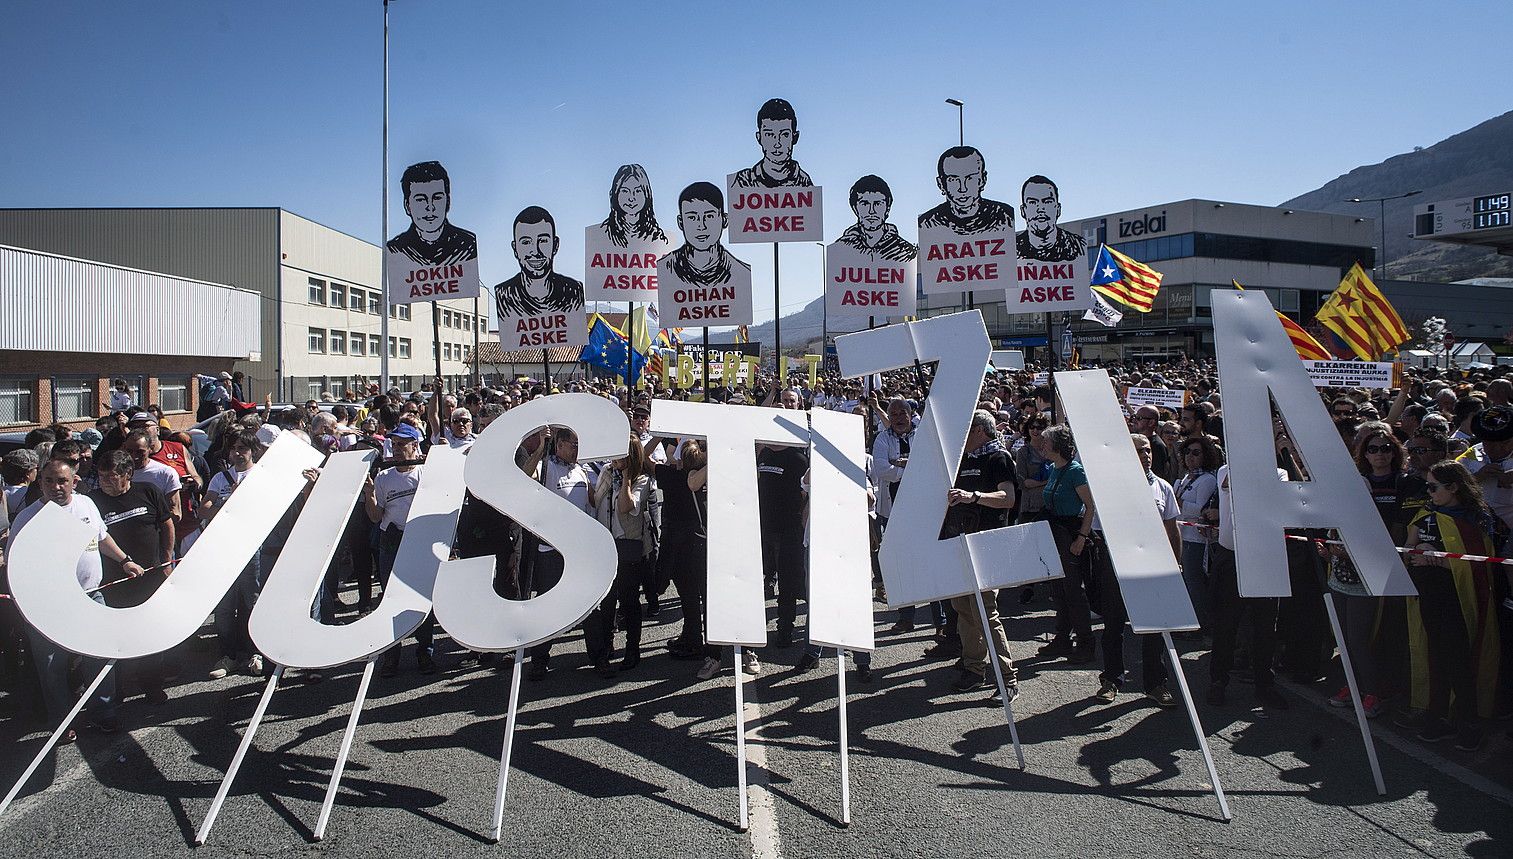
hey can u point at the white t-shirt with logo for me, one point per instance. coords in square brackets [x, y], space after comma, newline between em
[159, 475]
[393, 492]
[89, 570]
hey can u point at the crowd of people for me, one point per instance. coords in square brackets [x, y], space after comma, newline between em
[1436, 456]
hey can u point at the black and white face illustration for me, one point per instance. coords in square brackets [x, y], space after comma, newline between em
[777, 137]
[631, 196]
[702, 223]
[1040, 207]
[535, 246]
[427, 204]
[962, 181]
[871, 208]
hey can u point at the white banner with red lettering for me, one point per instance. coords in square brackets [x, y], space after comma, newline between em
[620, 273]
[859, 285]
[788, 214]
[543, 331]
[718, 299]
[953, 262]
[410, 281]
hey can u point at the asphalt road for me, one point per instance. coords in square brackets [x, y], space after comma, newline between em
[644, 766]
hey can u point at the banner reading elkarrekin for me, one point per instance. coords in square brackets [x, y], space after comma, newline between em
[620, 254]
[774, 200]
[539, 307]
[1052, 267]
[701, 283]
[433, 259]
[967, 242]
[869, 270]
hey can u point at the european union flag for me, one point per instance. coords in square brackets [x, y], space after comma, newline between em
[608, 348]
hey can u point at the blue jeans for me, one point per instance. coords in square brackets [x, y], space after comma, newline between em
[388, 549]
[235, 608]
[1195, 575]
[52, 671]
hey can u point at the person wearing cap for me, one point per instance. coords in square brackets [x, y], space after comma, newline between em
[169, 453]
[237, 650]
[1490, 460]
[387, 499]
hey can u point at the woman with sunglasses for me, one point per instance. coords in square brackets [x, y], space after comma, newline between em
[1198, 491]
[1379, 457]
[1458, 603]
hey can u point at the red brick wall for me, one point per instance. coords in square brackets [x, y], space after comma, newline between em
[41, 367]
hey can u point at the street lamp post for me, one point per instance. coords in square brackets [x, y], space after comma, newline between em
[1381, 222]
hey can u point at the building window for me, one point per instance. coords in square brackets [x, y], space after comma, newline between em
[356, 300]
[375, 345]
[338, 295]
[393, 347]
[404, 347]
[373, 307]
[404, 312]
[16, 405]
[314, 390]
[337, 387]
[338, 342]
[446, 351]
[359, 342]
[480, 325]
[73, 398]
[317, 291]
[317, 343]
[393, 311]
[173, 396]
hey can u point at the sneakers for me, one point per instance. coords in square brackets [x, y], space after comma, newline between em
[1107, 692]
[1082, 654]
[1468, 739]
[225, 665]
[631, 659]
[1435, 730]
[902, 626]
[997, 699]
[1162, 696]
[807, 662]
[750, 663]
[1340, 698]
[1372, 706]
[1271, 699]
[254, 666]
[944, 648]
[709, 669]
[864, 674]
[1413, 720]
[970, 681]
[1061, 645]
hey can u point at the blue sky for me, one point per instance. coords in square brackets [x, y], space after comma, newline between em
[278, 103]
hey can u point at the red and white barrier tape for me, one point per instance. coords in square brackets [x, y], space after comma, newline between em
[145, 570]
[1454, 556]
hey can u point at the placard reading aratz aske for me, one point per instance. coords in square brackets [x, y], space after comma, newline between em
[1350, 374]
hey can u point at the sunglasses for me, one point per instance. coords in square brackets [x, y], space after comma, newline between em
[1378, 448]
[1420, 451]
[1435, 487]
[462, 420]
[1344, 413]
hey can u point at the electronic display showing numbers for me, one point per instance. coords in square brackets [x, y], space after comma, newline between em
[1491, 211]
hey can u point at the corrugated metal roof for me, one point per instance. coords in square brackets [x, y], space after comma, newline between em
[61, 304]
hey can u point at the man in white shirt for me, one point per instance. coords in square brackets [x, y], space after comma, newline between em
[560, 472]
[138, 446]
[1491, 459]
[57, 480]
[387, 499]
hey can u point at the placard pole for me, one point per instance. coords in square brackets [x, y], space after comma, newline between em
[1050, 366]
[1355, 697]
[740, 737]
[546, 372]
[704, 363]
[509, 744]
[341, 756]
[840, 680]
[52, 741]
[1003, 693]
[236, 760]
[630, 340]
[777, 321]
[1192, 715]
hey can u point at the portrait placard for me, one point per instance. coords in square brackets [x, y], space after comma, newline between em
[620, 253]
[702, 283]
[1052, 262]
[774, 200]
[966, 242]
[433, 259]
[539, 308]
[859, 285]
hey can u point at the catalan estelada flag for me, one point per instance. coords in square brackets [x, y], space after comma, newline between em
[1308, 348]
[1129, 282]
[1362, 318]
